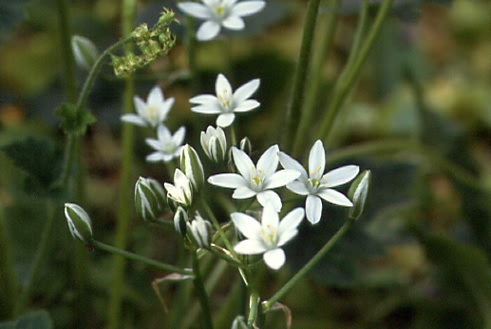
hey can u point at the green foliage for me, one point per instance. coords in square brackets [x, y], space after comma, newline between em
[39, 158]
[73, 121]
[33, 320]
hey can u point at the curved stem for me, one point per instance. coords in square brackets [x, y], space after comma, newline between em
[309, 266]
[129, 255]
[202, 295]
[296, 100]
[348, 80]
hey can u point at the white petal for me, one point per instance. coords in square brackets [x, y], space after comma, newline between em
[335, 197]
[233, 23]
[281, 178]
[243, 163]
[207, 109]
[222, 86]
[340, 175]
[247, 8]
[153, 143]
[290, 163]
[225, 119]
[133, 118]
[227, 180]
[268, 162]
[291, 220]
[155, 157]
[203, 99]
[140, 106]
[269, 196]
[250, 247]
[195, 9]
[243, 192]
[247, 105]
[163, 133]
[287, 236]
[270, 218]
[245, 91]
[313, 207]
[298, 187]
[208, 30]
[247, 225]
[165, 108]
[274, 258]
[178, 137]
[317, 160]
[155, 96]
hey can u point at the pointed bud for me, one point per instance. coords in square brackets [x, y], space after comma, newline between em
[149, 198]
[79, 222]
[245, 145]
[200, 230]
[214, 143]
[84, 51]
[192, 167]
[358, 193]
[180, 221]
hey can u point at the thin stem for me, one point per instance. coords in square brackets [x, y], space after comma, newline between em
[313, 91]
[294, 109]
[345, 84]
[224, 254]
[8, 281]
[202, 295]
[125, 196]
[253, 308]
[309, 266]
[67, 58]
[129, 255]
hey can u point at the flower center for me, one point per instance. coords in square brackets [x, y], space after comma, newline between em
[225, 100]
[268, 234]
[257, 177]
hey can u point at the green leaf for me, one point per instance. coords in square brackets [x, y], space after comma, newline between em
[33, 320]
[39, 158]
[74, 122]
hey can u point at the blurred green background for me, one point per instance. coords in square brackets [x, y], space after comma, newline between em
[419, 257]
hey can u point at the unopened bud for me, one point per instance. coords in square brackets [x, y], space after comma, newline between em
[358, 193]
[214, 143]
[149, 198]
[245, 145]
[200, 230]
[192, 167]
[84, 51]
[180, 221]
[79, 222]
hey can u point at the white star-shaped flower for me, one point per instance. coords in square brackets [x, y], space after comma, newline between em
[167, 146]
[226, 102]
[218, 13]
[152, 112]
[316, 185]
[256, 180]
[182, 191]
[268, 236]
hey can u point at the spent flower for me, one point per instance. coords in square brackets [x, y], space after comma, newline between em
[268, 236]
[218, 13]
[151, 113]
[226, 102]
[256, 180]
[166, 146]
[315, 184]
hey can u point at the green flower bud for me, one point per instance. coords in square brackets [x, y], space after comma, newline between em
[79, 222]
[358, 193]
[214, 143]
[149, 198]
[192, 167]
[180, 221]
[245, 145]
[84, 51]
[200, 230]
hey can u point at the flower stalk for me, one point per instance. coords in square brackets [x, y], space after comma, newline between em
[202, 295]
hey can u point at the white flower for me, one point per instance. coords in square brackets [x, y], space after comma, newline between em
[226, 102]
[152, 112]
[167, 146]
[200, 230]
[218, 13]
[181, 192]
[268, 236]
[214, 143]
[316, 185]
[256, 180]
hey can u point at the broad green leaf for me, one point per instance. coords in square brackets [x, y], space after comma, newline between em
[74, 122]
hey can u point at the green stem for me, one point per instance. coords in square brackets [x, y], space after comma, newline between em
[8, 281]
[294, 109]
[313, 92]
[202, 295]
[254, 303]
[39, 258]
[223, 254]
[217, 226]
[309, 266]
[129, 255]
[353, 69]
[125, 196]
[67, 58]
